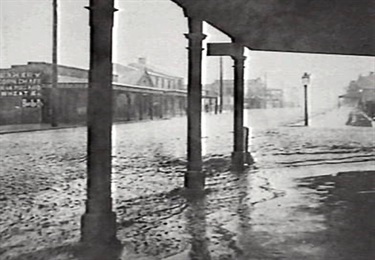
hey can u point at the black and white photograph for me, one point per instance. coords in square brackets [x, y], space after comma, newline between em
[187, 129]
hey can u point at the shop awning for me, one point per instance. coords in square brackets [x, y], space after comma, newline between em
[311, 26]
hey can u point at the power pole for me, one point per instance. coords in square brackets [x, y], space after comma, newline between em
[53, 93]
[221, 85]
[306, 112]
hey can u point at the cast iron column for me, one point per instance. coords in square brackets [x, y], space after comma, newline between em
[238, 153]
[99, 221]
[194, 178]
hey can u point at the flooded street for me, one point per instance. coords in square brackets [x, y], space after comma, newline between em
[187, 130]
[309, 196]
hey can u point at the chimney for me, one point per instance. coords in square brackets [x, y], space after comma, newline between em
[142, 61]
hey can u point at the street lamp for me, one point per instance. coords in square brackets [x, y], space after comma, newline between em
[305, 82]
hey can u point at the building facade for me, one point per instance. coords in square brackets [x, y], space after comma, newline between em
[274, 98]
[25, 94]
[256, 95]
[361, 93]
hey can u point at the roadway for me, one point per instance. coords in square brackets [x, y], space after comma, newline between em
[279, 209]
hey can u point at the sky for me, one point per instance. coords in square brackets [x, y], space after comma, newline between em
[155, 29]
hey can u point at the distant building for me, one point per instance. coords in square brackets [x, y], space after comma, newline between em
[256, 95]
[210, 100]
[361, 92]
[367, 91]
[352, 95]
[274, 98]
[228, 98]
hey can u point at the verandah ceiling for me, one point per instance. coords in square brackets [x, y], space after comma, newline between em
[312, 26]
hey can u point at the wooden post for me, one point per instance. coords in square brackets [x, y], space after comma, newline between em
[151, 106]
[194, 178]
[99, 221]
[216, 105]
[196, 225]
[221, 86]
[53, 93]
[306, 108]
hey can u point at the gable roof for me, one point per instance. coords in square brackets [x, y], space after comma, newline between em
[152, 70]
[132, 77]
[127, 74]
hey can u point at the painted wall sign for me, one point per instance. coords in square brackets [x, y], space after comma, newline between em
[32, 103]
[14, 74]
[24, 84]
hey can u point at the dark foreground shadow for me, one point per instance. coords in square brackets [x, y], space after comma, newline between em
[108, 252]
[67, 251]
[74, 251]
[348, 205]
[196, 225]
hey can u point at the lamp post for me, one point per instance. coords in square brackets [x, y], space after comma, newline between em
[305, 82]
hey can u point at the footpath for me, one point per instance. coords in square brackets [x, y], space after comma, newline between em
[20, 128]
[351, 117]
[341, 117]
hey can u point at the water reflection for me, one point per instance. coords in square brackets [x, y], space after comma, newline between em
[196, 225]
[243, 213]
[248, 241]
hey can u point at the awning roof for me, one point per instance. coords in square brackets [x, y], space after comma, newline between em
[312, 26]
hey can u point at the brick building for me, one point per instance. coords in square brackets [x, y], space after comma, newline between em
[25, 94]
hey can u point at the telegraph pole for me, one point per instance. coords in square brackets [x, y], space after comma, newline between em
[221, 85]
[53, 99]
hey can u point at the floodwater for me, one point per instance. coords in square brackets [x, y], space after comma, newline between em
[309, 196]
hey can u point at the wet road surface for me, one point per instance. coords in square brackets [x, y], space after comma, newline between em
[293, 205]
